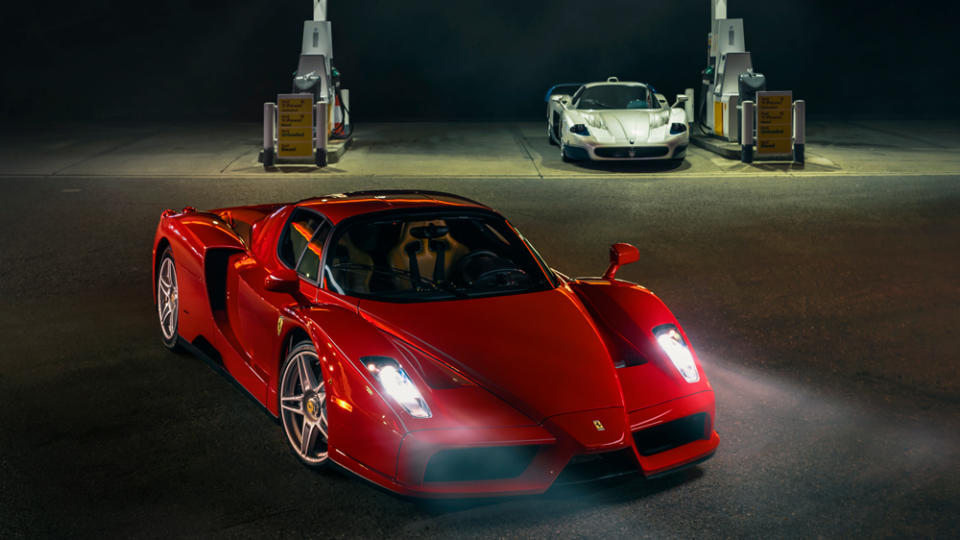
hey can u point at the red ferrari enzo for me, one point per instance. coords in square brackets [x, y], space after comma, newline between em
[418, 340]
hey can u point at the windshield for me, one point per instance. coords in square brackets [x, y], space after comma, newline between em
[617, 96]
[425, 257]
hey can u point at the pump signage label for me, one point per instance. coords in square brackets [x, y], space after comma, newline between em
[775, 123]
[295, 125]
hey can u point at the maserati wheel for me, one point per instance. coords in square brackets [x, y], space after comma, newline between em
[168, 300]
[303, 405]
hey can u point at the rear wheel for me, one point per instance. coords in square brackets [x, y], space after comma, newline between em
[168, 300]
[303, 405]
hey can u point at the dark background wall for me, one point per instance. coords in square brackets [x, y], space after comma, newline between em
[440, 59]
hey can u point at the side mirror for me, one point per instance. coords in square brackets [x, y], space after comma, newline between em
[620, 254]
[556, 97]
[564, 100]
[681, 99]
[283, 280]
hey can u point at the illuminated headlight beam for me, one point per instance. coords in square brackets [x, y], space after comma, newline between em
[672, 343]
[397, 384]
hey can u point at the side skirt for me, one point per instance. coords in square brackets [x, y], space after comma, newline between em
[218, 367]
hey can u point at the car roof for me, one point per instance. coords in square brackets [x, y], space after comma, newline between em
[340, 206]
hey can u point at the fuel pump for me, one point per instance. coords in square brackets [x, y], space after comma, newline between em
[734, 103]
[317, 110]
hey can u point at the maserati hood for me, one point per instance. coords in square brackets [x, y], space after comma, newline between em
[539, 352]
[629, 126]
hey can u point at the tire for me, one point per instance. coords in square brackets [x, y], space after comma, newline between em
[168, 301]
[303, 406]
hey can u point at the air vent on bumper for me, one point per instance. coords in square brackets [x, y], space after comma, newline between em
[624, 152]
[471, 464]
[671, 434]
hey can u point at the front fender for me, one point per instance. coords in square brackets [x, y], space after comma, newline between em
[362, 424]
[631, 312]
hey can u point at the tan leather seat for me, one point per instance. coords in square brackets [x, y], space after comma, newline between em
[426, 251]
[347, 252]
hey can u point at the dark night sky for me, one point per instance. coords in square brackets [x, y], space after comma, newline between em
[440, 59]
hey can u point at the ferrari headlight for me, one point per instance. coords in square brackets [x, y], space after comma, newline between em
[672, 343]
[397, 384]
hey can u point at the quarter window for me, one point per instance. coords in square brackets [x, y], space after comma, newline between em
[301, 237]
[309, 265]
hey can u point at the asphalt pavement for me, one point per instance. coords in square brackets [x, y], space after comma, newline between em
[824, 308]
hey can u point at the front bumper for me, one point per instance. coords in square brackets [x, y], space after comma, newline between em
[584, 150]
[567, 448]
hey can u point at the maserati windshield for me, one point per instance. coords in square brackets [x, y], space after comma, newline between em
[435, 256]
[617, 96]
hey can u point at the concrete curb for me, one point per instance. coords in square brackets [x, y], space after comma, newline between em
[336, 150]
[729, 150]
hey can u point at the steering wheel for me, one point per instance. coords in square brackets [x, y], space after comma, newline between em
[474, 270]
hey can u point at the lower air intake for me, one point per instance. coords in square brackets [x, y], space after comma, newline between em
[472, 464]
[671, 434]
[625, 152]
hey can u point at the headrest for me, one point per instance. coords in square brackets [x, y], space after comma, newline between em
[430, 231]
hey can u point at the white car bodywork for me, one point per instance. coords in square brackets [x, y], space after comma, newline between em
[645, 128]
[553, 99]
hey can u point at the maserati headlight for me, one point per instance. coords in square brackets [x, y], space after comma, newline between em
[579, 129]
[595, 121]
[397, 384]
[672, 343]
[677, 127]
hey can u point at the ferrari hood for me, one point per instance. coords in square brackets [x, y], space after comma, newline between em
[539, 352]
[630, 126]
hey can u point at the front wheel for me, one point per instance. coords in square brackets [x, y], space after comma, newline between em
[168, 301]
[303, 405]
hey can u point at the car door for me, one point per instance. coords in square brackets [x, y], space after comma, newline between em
[254, 311]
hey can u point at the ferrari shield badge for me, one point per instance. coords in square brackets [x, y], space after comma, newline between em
[597, 424]
[279, 325]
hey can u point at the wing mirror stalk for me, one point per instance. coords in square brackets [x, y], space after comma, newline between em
[620, 254]
[282, 280]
